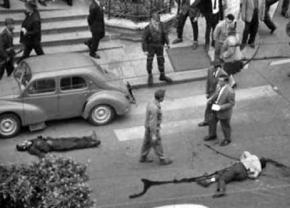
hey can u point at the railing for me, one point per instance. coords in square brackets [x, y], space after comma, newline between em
[136, 10]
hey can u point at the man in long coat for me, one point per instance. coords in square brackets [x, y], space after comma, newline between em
[97, 27]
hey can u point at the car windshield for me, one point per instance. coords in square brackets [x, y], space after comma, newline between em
[22, 74]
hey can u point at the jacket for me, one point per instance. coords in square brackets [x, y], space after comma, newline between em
[96, 19]
[185, 7]
[248, 7]
[149, 40]
[32, 23]
[153, 117]
[226, 101]
[6, 44]
[205, 7]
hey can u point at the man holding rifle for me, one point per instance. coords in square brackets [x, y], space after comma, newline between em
[6, 48]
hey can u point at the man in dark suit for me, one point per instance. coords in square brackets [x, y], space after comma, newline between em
[212, 10]
[30, 35]
[222, 101]
[268, 20]
[97, 27]
[284, 10]
[42, 145]
[6, 48]
[187, 9]
[154, 38]
[211, 84]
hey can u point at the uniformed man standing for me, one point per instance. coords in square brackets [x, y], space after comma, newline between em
[152, 138]
[6, 48]
[154, 39]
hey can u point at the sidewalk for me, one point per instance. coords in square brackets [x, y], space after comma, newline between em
[129, 61]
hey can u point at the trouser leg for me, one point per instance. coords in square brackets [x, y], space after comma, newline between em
[246, 32]
[207, 29]
[2, 69]
[180, 24]
[38, 48]
[207, 112]
[146, 146]
[217, 50]
[194, 25]
[150, 56]
[27, 51]
[160, 59]
[215, 20]
[226, 128]
[285, 6]
[9, 67]
[94, 43]
[158, 149]
[6, 4]
[254, 27]
[212, 124]
[268, 21]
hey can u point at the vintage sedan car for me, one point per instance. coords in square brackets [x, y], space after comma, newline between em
[61, 86]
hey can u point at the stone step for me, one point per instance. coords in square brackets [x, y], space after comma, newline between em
[81, 48]
[68, 38]
[59, 27]
[48, 16]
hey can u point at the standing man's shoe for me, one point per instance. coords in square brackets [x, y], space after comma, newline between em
[165, 161]
[195, 45]
[273, 30]
[203, 123]
[165, 78]
[252, 45]
[209, 138]
[177, 40]
[145, 160]
[242, 46]
[94, 55]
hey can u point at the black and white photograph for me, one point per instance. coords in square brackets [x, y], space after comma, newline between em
[144, 103]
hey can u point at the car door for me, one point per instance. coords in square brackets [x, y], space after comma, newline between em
[42, 93]
[74, 91]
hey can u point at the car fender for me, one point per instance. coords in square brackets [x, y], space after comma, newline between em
[28, 114]
[117, 100]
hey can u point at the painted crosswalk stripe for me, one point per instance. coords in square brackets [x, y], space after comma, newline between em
[279, 62]
[200, 100]
[137, 132]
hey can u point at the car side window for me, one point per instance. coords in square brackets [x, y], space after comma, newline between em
[42, 86]
[72, 83]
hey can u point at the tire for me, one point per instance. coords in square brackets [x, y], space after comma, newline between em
[101, 115]
[9, 125]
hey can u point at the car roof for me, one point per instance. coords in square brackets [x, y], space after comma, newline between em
[58, 62]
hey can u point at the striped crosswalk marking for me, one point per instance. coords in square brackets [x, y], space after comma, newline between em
[137, 132]
[279, 62]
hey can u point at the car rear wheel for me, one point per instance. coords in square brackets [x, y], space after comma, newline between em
[101, 114]
[9, 125]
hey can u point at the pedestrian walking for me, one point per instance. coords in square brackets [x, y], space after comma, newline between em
[152, 138]
[6, 4]
[188, 8]
[222, 103]
[97, 27]
[154, 38]
[212, 10]
[268, 20]
[249, 166]
[231, 54]
[220, 34]
[7, 52]
[211, 84]
[252, 12]
[30, 35]
[42, 145]
[284, 10]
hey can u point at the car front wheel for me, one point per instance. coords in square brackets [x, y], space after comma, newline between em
[9, 125]
[101, 114]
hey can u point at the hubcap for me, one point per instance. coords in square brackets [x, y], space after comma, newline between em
[8, 126]
[101, 114]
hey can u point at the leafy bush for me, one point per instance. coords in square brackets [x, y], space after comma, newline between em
[136, 10]
[51, 182]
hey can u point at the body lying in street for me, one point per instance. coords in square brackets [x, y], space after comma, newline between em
[42, 145]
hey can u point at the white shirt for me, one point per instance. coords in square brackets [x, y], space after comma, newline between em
[215, 10]
[252, 164]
